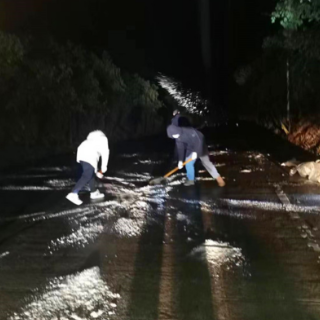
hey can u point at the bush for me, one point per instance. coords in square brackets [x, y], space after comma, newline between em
[54, 94]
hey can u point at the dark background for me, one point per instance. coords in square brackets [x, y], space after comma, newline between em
[151, 35]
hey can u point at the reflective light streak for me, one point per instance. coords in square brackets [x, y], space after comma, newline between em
[220, 256]
[191, 101]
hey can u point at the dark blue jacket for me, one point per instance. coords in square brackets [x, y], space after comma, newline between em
[190, 140]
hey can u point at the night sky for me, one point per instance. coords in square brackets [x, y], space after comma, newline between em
[153, 35]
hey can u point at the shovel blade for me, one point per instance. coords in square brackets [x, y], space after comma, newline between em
[161, 180]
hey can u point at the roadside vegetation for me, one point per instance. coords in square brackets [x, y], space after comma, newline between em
[53, 94]
[280, 88]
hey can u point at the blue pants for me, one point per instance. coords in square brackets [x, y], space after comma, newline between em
[209, 166]
[88, 177]
[190, 169]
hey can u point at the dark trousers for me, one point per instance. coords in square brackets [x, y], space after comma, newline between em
[88, 177]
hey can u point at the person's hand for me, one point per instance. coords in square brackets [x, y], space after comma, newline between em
[180, 164]
[104, 170]
[99, 174]
[194, 155]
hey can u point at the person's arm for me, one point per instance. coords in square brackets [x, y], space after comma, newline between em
[104, 152]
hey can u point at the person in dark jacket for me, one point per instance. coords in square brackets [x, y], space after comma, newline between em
[191, 144]
[179, 120]
[175, 121]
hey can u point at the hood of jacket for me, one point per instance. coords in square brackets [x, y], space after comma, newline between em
[95, 135]
[172, 129]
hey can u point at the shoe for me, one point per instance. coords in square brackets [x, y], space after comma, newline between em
[74, 198]
[221, 182]
[96, 195]
[189, 183]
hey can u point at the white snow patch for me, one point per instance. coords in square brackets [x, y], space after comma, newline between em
[148, 162]
[58, 169]
[218, 254]
[110, 203]
[77, 212]
[29, 176]
[183, 217]
[155, 192]
[81, 237]
[60, 183]
[176, 183]
[246, 171]
[26, 216]
[175, 176]
[25, 188]
[271, 206]
[230, 213]
[115, 178]
[83, 210]
[136, 176]
[217, 165]
[121, 191]
[204, 179]
[121, 180]
[218, 153]
[96, 315]
[142, 205]
[129, 227]
[84, 295]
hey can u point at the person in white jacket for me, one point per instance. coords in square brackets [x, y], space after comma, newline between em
[88, 155]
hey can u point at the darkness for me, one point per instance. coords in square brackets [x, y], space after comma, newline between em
[151, 35]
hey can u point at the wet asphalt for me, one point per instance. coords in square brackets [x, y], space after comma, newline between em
[250, 250]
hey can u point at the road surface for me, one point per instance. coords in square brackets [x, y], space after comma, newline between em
[250, 250]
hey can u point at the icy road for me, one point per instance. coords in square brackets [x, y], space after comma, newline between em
[248, 251]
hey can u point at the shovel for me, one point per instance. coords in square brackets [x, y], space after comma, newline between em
[163, 179]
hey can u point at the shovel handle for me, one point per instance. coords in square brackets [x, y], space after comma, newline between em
[176, 169]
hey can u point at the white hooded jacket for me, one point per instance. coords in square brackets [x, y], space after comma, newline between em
[95, 146]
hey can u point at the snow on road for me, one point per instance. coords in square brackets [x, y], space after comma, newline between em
[84, 296]
[131, 207]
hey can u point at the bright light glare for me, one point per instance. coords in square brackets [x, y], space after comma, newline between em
[192, 101]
